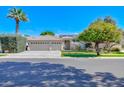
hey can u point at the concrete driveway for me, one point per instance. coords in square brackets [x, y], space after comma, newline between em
[35, 54]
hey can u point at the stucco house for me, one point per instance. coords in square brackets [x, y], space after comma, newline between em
[61, 42]
[47, 42]
[70, 42]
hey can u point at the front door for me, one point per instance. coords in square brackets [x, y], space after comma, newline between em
[67, 44]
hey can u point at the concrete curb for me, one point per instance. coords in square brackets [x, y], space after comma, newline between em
[5, 57]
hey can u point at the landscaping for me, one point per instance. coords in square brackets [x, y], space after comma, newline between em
[90, 54]
[3, 54]
[102, 31]
[12, 43]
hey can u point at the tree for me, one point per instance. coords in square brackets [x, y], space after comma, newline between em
[18, 15]
[109, 44]
[100, 32]
[48, 33]
[108, 19]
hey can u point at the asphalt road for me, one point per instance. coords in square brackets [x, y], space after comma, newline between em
[91, 65]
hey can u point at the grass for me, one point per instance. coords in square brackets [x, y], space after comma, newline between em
[78, 54]
[3, 54]
[90, 54]
[112, 55]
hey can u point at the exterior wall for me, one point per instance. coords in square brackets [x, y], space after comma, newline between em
[54, 43]
[77, 45]
[102, 46]
[122, 42]
[67, 44]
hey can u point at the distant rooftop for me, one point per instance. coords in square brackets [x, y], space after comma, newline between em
[46, 37]
[68, 36]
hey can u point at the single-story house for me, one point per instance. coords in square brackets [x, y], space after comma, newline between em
[62, 42]
[47, 42]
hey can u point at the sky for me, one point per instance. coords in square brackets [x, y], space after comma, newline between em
[59, 19]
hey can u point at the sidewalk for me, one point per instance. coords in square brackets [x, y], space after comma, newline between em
[35, 54]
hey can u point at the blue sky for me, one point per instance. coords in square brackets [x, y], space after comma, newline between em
[59, 19]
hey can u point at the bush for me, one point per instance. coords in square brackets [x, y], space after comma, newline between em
[115, 49]
[13, 43]
[78, 48]
[88, 45]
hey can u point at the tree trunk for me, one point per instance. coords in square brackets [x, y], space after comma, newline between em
[97, 48]
[107, 46]
[17, 27]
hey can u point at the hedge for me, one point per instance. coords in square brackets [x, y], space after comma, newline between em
[13, 43]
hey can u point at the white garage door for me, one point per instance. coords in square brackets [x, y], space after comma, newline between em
[44, 47]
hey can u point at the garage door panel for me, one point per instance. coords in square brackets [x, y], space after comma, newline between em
[56, 47]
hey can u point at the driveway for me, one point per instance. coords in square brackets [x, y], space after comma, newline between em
[35, 54]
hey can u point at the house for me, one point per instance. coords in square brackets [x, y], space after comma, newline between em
[70, 42]
[47, 42]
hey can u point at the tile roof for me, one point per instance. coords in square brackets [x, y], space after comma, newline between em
[46, 37]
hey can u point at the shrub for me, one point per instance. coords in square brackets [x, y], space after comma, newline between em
[78, 47]
[13, 43]
[88, 45]
[115, 49]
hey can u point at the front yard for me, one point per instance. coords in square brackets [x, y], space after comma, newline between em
[90, 54]
[3, 54]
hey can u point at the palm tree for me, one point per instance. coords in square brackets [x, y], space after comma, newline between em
[18, 15]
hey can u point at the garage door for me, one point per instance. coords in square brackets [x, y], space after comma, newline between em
[44, 47]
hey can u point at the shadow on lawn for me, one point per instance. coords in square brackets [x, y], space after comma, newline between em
[52, 75]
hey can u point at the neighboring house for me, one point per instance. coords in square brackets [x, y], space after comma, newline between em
[47, 42]
[122, 42]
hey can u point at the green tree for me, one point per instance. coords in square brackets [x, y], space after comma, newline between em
[18, 15]
[100, 32]
[48, 33]
[108, 19]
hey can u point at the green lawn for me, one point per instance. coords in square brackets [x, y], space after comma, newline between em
[112, 55]
[3, 54]
[89, 54]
